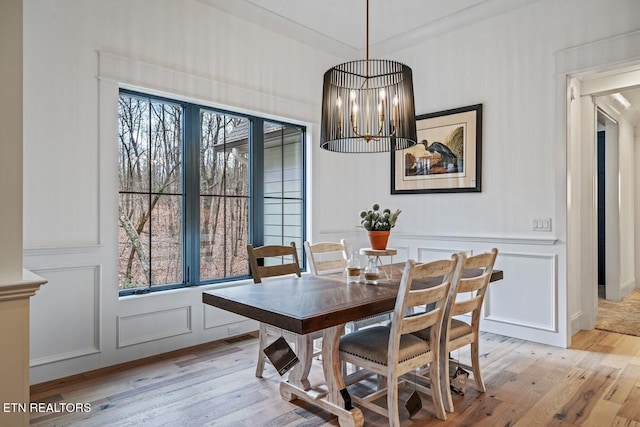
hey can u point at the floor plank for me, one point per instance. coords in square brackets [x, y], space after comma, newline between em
[594, 383]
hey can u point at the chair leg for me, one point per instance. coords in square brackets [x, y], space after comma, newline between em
[436, 390]
[262, 343]
[392, 401]
[445, 382]
[382, 381]
[475, 365]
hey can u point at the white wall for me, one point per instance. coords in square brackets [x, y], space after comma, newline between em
[194, 51]
[637, 206]
[626, 141]
[77, 54]
[581, 221]
[613, 202]
[11, 141]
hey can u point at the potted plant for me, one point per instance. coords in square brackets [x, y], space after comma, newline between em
[378, 223]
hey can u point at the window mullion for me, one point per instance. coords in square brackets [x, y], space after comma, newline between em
[191, 191]
[256, 180]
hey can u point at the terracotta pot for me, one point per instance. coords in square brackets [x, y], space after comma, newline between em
[378, 239]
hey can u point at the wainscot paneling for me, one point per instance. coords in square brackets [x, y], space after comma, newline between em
[154, 325]
[524, 304]
[527, 296]
[426, 254]
[214, 317]
[65, 314]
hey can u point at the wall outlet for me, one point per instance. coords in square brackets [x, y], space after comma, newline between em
[541, 224]
[233, 330]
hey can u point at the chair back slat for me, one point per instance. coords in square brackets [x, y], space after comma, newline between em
[472, 284]
[481, 261]
[288, 261]
[325, 257]
[425, 296]
[466, 306]
[410, 298]
[420, 321]
[477, 284]
[323, 247]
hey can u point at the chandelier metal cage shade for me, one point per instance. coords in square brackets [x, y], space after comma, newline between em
[368, 107]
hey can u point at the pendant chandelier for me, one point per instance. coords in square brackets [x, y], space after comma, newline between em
[368, 106]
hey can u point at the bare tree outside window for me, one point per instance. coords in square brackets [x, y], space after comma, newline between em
[224, 195]
[150, 212]
[184, 191]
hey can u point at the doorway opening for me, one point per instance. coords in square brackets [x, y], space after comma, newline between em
[602, 265]
[609, 225]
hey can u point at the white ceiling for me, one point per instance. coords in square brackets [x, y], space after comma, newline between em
[339, 26]
[630, 113]
[345, 20]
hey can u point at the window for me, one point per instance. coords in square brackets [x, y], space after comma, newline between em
[197, 185]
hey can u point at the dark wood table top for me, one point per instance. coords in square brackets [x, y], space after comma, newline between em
[312, 303]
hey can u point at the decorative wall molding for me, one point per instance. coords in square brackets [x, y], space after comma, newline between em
[70, 287]
[609, 52]
[25, 288]
[63, 356]
[214, 317]
[576, 322]
[442, 252]
[482, 239]
[62, 250]
[510, 240]
[584, 62]
[180, 84]
[628, 287]
[545, 287]
[155, 325]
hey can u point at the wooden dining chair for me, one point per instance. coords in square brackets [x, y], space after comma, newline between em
[331, 257]
[326, 257]
[270, 261]
[391, 351]
[465, 299]
[273, 260]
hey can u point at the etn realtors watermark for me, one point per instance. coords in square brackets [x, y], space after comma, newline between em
[56, 407]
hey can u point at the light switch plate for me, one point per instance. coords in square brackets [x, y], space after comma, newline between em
[541, 224]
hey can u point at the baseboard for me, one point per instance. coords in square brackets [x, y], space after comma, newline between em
[627, 288]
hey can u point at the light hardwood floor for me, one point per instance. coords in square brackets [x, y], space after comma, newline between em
[595, 383]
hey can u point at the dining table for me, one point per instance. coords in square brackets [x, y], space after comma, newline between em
[308, 304]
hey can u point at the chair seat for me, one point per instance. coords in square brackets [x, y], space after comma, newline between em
[372, 344]
[458, 329]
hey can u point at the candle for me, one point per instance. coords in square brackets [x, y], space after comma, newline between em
[395, 111]
[354, 111]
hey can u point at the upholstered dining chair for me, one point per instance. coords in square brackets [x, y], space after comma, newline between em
[391, 351]
[270, 261]
[465, 298]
